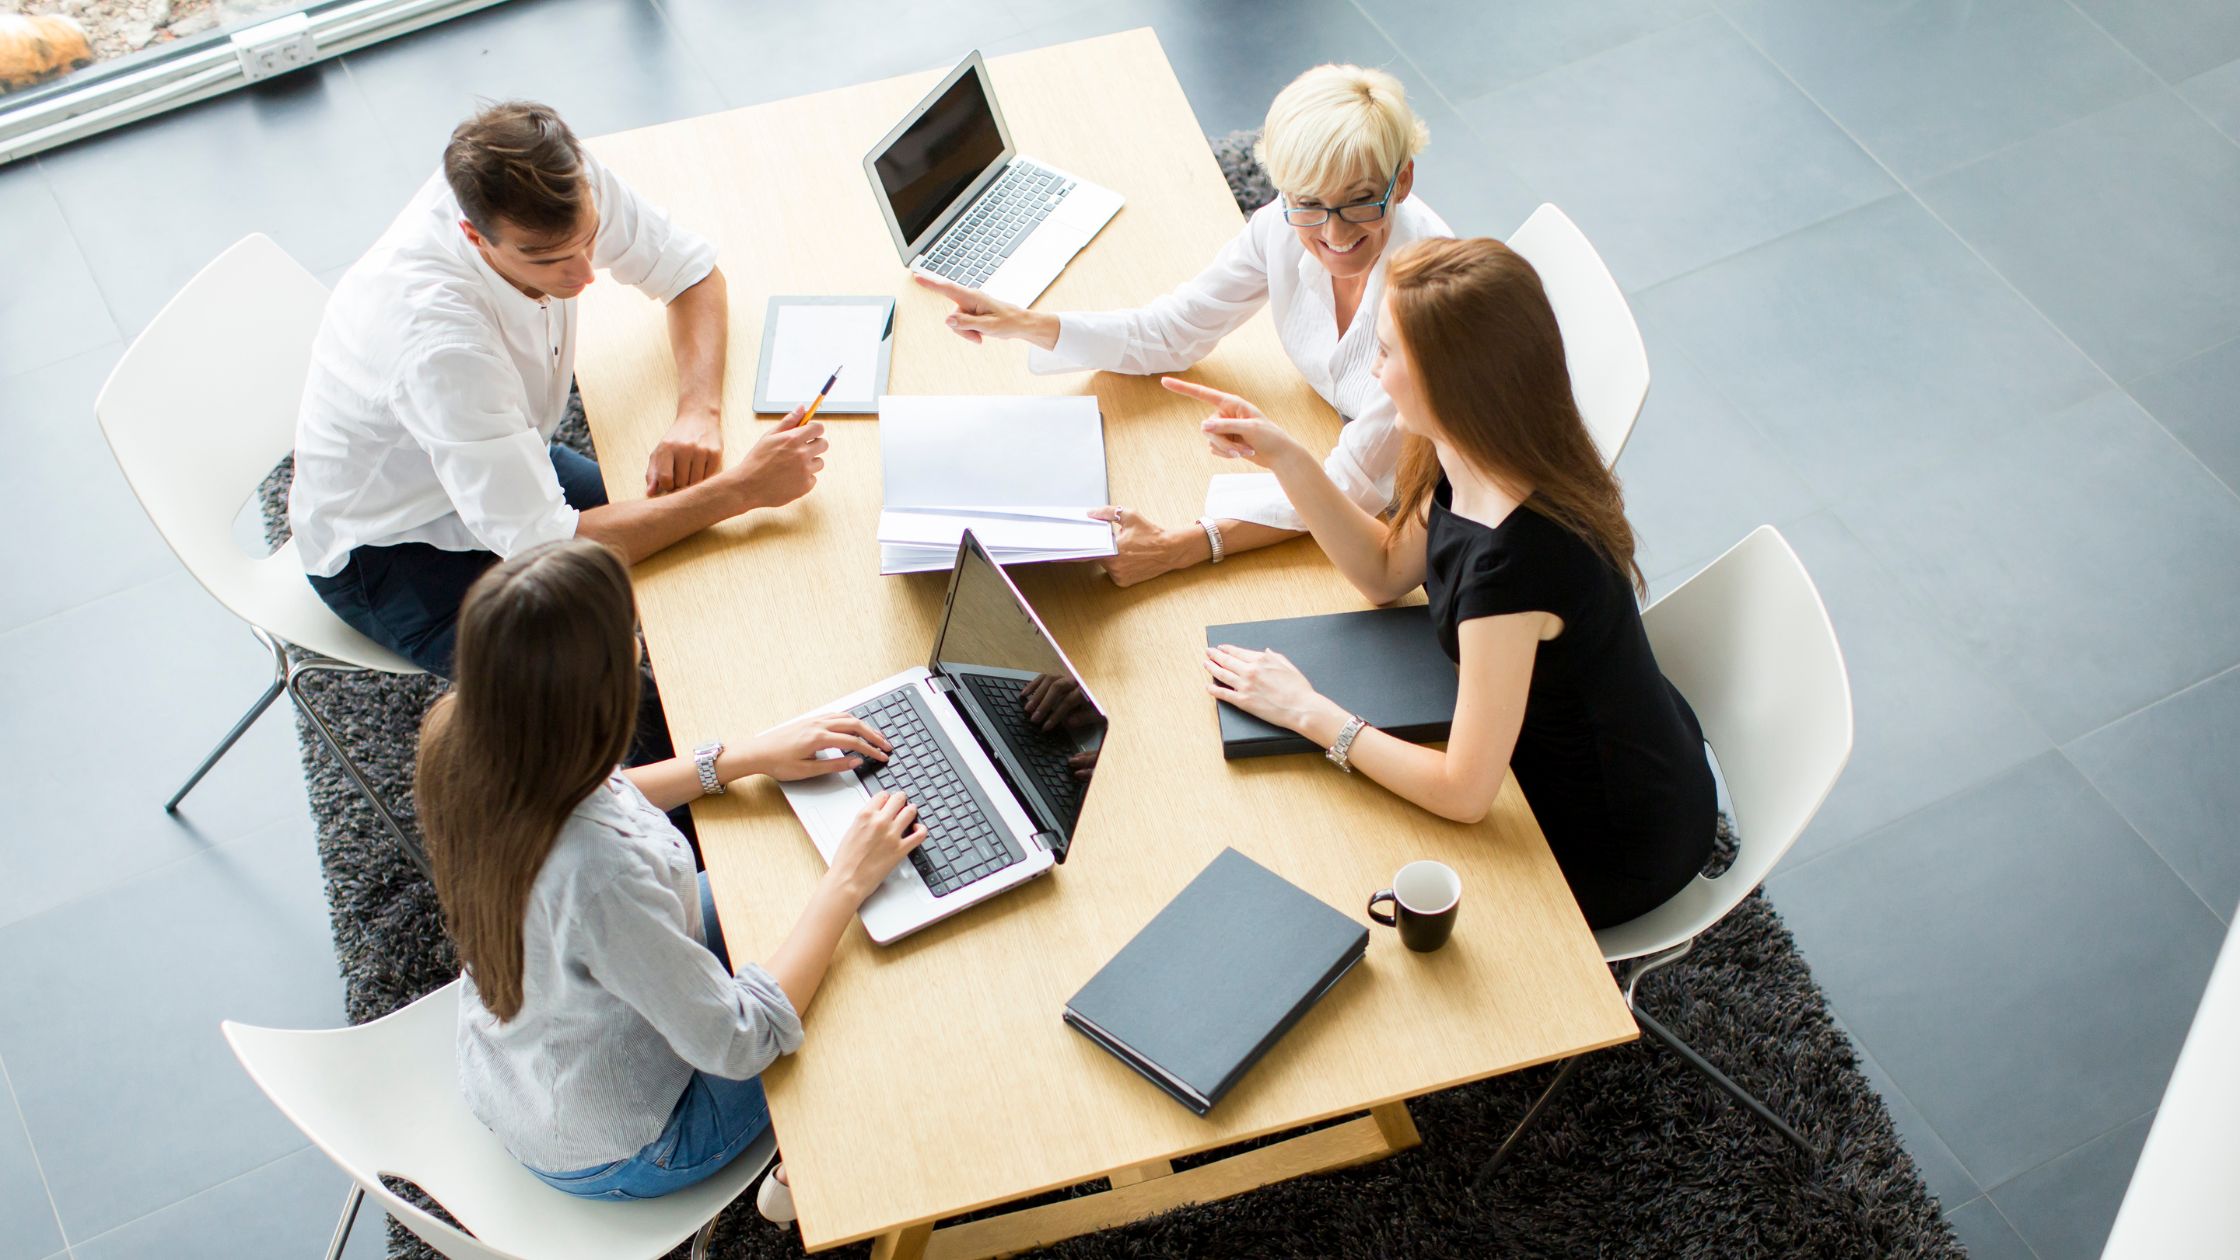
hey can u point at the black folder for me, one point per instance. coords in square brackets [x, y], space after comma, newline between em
[1216, 978]
[1384, 664]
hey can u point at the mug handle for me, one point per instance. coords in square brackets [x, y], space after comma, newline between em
[1384, 894]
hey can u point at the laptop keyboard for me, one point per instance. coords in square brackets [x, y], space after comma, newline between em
[1049, 758]
[964, 841]
[975, 245]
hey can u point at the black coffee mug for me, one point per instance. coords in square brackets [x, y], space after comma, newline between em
[1424, 897]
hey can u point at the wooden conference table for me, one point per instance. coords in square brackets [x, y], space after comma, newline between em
[937, 1077]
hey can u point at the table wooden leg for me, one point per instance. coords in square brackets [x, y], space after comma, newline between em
[907, 1243]
[1141, 1173]
[1148, 1189]
[1398, 1127]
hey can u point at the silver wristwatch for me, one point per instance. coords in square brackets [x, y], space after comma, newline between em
[1343, 747]
[1213, 537]
[705, 758]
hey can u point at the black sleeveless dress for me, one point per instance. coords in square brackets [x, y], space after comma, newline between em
[1610, 755]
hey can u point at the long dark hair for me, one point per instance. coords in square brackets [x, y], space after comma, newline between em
[1489, 358]
[541, 712]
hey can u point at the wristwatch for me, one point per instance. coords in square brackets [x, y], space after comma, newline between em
[705, 758]
[1343, 747]
[1213, 536]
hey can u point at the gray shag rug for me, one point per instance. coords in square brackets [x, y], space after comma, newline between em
[1639, 1157]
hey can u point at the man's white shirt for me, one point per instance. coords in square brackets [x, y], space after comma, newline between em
[1265, 263]
[435, 384]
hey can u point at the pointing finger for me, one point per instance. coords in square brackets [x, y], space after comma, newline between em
[953, 292]
[1203, 393]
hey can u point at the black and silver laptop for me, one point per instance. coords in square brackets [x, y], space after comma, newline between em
[995, 739]
[961, 204]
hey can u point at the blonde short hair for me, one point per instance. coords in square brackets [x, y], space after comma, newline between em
[1336, 126]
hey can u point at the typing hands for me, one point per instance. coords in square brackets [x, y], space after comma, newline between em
[790, 752]
[882, 835]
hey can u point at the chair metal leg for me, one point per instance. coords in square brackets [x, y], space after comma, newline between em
[1720, 1079]
[1633, 971]
[1531, 1118]
[240, 728]
[700, 1240]
[349, 1217]
[327, 665]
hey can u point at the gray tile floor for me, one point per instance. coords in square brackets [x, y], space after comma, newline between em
[1950, 292]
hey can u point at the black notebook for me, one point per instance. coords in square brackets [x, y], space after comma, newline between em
[1215, 978]
[1384, 664]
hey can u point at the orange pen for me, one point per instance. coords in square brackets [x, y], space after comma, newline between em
[818, 401]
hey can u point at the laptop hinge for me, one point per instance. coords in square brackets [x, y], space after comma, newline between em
[942, 684]
[1047, 841]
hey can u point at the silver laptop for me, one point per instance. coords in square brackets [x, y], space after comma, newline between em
[995, 739]
[961, 204]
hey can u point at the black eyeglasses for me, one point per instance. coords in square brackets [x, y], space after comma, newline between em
[1358, 212]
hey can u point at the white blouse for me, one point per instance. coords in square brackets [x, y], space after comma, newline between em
[620, 1001]
[435, 385]
[1266, 263]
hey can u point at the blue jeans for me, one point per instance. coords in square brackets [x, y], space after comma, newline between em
[711, 1124]
[406, 597]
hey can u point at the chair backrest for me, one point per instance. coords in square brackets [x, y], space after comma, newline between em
[197, 413]
[383, 1099]
[1609, 364]
[1749, 644]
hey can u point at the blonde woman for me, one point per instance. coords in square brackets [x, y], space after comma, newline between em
[1340, 144]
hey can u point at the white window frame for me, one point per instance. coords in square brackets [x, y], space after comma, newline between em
[205, 67]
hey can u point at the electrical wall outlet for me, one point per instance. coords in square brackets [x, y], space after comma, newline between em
[276, 47]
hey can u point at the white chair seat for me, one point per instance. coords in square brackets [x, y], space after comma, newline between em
[288, 607]
[1749, 644]
[383, 1099]
[198, 412]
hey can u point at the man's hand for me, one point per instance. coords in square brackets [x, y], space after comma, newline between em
[689, 453]
[781, 466]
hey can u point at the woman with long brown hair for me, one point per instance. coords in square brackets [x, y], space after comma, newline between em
[604, 1035]
[1517, 532]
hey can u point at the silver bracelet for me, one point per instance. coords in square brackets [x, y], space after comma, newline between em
[1343, 748]
[704, 760]
[1213, 537]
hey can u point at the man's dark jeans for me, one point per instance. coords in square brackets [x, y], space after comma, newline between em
[406, 598]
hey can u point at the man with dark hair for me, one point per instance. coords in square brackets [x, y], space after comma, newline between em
[443, 366]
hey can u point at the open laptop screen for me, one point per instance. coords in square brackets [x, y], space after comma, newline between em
[1042, 725]
[937, 157]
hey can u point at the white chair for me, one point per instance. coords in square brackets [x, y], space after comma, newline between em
[382, 1099]
[1749, 644]
[1609, 365]
[198, 412]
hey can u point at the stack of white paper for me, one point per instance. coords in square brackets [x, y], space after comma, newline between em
[1022, 473]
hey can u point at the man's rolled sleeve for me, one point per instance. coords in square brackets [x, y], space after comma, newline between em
[639, 246]
[462, 405]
